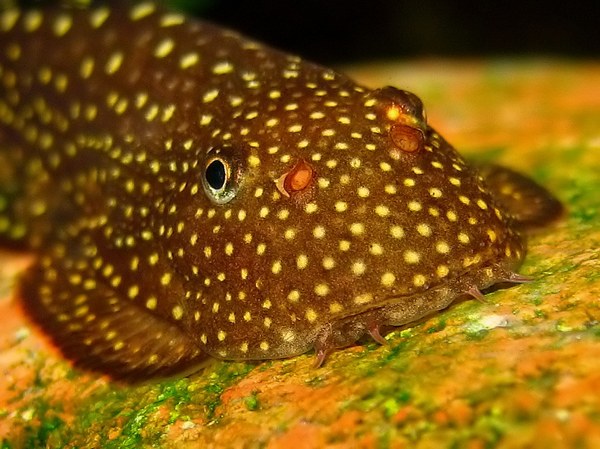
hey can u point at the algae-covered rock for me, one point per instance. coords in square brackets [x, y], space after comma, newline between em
[520, 370]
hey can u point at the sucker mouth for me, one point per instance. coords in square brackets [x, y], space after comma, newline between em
[407, 309]
[467, 283]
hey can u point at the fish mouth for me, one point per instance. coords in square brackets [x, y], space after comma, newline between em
[401, 310]
[440, 295]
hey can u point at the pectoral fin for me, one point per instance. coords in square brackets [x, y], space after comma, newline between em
[530, 204]
[99, 330]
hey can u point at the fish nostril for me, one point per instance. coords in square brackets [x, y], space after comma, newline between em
[407, 123]
[299, 178]
[407, 138]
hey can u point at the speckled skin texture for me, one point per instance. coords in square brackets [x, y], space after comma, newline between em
[192, 193]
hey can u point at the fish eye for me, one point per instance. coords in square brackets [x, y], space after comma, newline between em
[220, 178]
[216, 174]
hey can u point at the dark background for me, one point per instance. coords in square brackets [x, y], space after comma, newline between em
[336, 31]
[339, 31]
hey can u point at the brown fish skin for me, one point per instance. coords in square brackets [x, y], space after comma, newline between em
[193, 193]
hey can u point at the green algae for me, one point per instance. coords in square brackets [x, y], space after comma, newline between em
[437, 325]
[133, 416]
[40, 424]
[252, 402]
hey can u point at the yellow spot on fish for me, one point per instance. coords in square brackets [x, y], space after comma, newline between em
[358, 268]
[311, 315]
[253, 160]
[382, 211]
[189, 60]
[319, 232]
[133, 291]
[164, 47]
[388, 279]
[376, 249]
[322, 289]
[151, 303]
[463, 199]
[210, 95]
[335, 307]
[8, 19]
[442, 248]
[222, 68]
[435, 192]
[393, 113]
[165, 279]
[414, 206]
[302, 261]
[32, 20]
[363, 192]
[177, 312]
[276, 267]
[411, 257]
[397, 232]
[363, 298]
[341, 206]
[419, 280]
[442, 271]
[142, 10]
[463, 238]
[424, 229]
[114, 63]
[310, 208]
[98, 16]
[172, 19]
[451, 215]
[357, 228]
[328, 263]
[62, 24]
[293, 296]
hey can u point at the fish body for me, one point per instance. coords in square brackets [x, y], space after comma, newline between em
[193, 193]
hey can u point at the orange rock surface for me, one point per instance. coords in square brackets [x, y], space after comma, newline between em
[521, 370]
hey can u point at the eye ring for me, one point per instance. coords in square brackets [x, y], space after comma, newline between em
[221, 175]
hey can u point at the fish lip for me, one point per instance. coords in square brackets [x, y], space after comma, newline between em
[397, 311]
[458, 285]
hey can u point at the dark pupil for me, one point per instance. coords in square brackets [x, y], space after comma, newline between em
[215, 174]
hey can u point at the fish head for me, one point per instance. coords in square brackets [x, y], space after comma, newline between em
[335, 203]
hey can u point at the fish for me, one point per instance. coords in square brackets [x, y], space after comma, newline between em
[192, 194]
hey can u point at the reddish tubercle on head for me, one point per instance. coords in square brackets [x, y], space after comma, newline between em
[296, 180]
